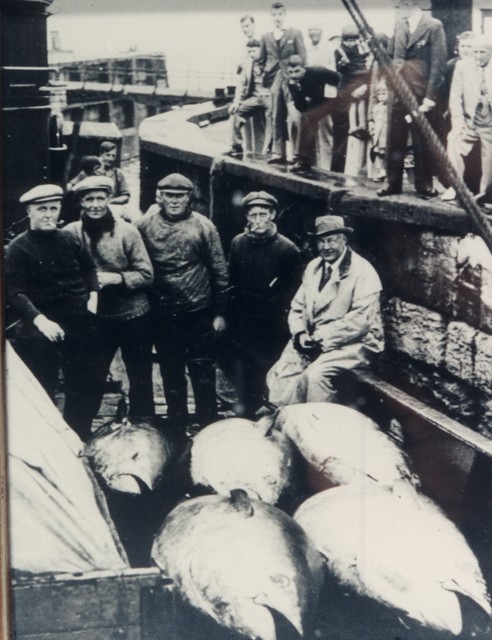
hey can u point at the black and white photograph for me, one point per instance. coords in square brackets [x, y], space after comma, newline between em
[247, 327]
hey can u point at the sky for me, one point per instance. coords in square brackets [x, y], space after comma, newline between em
[129, 6]
[202, 44]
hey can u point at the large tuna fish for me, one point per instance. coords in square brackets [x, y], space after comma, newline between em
[398, 548]
[129, 457]
[236, 559]
[341, 445]
[240, 454]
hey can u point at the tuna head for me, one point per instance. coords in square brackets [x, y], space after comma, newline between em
[239, 454]
[240, 560]
[130, 458]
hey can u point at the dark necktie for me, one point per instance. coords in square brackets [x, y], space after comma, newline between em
[325, 276]
[406, 32]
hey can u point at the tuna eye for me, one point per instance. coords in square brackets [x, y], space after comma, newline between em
[270, 480]
[282, 581]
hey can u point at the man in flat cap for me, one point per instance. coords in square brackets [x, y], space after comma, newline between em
[188, 297]
[334, 320]
[52, 286]
[124, 274]
[265, 271]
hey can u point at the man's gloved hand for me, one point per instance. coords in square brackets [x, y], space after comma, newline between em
[49, 329]
[304, 343]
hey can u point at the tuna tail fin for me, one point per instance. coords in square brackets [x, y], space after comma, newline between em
[241, 502]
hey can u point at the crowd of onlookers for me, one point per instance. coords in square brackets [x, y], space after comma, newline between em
[323, 101]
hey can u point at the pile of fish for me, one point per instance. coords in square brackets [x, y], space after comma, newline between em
[239, 559]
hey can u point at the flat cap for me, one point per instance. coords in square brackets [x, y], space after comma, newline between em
[42, 193]
[325, 225]
[175, 182]
[259, 198]
[94, 183]
[350, 31]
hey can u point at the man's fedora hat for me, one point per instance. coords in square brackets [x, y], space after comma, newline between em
[94, 183]
[326, 225]
[42, 193]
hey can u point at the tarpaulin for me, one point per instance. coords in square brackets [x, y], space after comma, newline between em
[58, 516]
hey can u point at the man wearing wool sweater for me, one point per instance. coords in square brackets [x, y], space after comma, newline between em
[265, 271]
[188, 297]
[125, 274]
[52, 286]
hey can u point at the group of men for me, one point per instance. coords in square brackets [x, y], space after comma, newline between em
[101, 284]
[325, 93]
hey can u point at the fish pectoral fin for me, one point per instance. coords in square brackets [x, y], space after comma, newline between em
[285, 629]
[481, 601]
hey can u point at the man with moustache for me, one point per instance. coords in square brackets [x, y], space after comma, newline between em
[188, 297]
[334, 320]
[124, 274]
[265, 271]
[52, 286]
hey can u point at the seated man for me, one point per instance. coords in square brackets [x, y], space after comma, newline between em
[251, 97]
[52, 286]
[308, 88]
[470, 104]
[334, 320]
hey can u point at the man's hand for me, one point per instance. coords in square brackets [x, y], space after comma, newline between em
[92, 302]
[107, 278]
[426, 105]
[49, 329]
[360, 92]
[232, 108]
[307, 342]
[219, 325]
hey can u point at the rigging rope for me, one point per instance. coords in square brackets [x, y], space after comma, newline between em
[479, 221]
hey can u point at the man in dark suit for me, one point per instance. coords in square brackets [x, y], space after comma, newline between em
[419, 56]
[276, 48]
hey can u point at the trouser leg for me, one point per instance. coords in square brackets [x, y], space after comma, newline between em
[170, 350]
[340, 134]
[135, 342]
[485, 135]
[279, 116]
[424, 166]
[201, 366]
[318, 380]
[84, 377]
[42, 357]
[397, 146]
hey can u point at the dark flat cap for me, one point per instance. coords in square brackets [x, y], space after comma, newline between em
[94, 183]
[175, 182]
[259, 198]
[42, 193]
